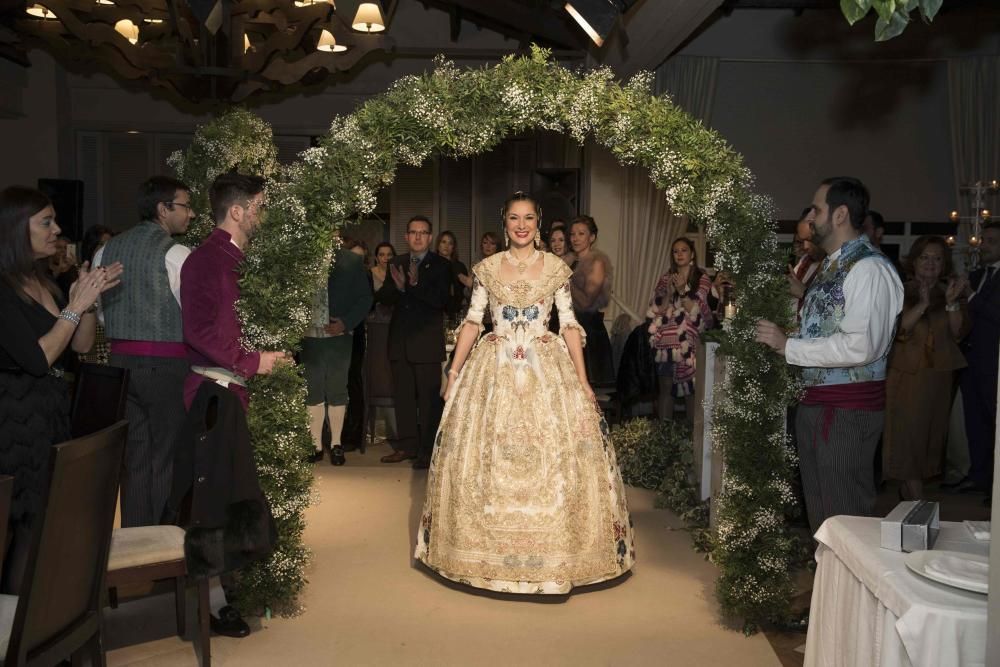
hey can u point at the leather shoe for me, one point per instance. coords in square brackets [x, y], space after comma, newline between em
[337, 457]
[315, 456]
[229, 623]
[421, 464]
[396, 457]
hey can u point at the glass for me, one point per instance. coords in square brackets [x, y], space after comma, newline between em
[177, 203]
[418, 232]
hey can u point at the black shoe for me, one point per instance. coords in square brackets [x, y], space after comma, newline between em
[337, 457]
[229, 623]
[315, 457]
[954, 485]
[421, 464]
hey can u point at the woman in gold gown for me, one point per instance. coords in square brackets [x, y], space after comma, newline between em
[524, 493]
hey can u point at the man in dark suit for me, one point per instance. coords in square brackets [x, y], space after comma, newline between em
[419, 290]
[982, 351]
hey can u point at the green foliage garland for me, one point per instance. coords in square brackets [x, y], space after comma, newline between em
[893, 15]
[467, 112]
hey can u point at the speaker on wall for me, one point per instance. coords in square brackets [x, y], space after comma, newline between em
[67, 198]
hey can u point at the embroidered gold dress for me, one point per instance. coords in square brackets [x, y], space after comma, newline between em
[524, 493]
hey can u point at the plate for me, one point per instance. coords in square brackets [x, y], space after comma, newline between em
[918, 561]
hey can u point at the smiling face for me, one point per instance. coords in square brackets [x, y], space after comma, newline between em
[929, 264]
[557, 242]
[43, 233]
[521, 223]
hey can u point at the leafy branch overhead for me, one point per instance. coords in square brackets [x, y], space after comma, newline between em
[893, 15]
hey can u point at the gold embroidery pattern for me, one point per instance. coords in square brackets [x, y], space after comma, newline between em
[524, 493]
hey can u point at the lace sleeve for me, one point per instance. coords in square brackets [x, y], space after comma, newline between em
[477, 305]
[567, 319]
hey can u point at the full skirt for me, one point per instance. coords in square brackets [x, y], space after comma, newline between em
[524, 493]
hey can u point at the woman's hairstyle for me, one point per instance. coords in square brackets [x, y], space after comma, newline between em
[384, 244]
[585, 220]
[232, 189]
[454, 244]
[492, 237]
[516, 197]
[17, 260]
[92, 241]
[909, 264]
[554, 231]
[694, 275]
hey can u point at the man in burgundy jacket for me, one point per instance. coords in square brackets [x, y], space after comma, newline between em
[213, 335]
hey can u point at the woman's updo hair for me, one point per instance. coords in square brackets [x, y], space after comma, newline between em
[516, 197]
[585, 220]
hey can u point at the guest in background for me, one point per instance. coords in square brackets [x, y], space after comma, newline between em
[848, 320]
[447, 247]
[62, 265]
[339, 307]
[488, 245]
[679, 312]
[922, 367]
[419, 289]
[93, 240]
[810, 256]
[982, 349]
[558, 245]
[143, 322]
[379, 371]
[590, 286]
[353, 433]
[39, 324]
[874, 229]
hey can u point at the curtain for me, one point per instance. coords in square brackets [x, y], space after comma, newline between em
[974, 99]
[648, 225]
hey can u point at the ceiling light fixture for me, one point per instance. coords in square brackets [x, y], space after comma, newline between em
[328, 43]
[42, 12]
[128, 30]
[596, 17]
[369, 18]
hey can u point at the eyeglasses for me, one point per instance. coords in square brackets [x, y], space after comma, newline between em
[171, 204]
[418, 232]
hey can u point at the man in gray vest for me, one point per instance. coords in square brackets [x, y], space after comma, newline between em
[142, 317]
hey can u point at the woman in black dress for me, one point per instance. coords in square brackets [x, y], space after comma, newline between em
[591, 289]
[461, 281]
[39, 324]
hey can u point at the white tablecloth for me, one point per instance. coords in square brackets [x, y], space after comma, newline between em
[869, 610]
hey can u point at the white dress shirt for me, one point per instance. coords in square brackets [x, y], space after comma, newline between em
[873, 299]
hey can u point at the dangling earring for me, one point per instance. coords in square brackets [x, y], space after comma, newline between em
[506, 239]
[538, 239]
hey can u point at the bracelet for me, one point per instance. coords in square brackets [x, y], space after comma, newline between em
[952, 307]
[70, 316]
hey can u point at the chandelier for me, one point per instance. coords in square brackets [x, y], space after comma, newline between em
[207, 51]
[982, 194]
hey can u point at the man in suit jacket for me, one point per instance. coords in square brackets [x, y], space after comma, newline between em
[982, 351]
[419, 290]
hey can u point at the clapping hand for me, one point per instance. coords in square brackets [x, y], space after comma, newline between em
[957, 286]
[796, 287]
[413, 274]
[91, 283]
[398, 276]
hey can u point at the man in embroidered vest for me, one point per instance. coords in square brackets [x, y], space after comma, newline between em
[213, 334]
[142, 317]
[338, 309]
[848, 322]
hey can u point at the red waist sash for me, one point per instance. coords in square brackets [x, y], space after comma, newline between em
[149, 348]
[868, 396]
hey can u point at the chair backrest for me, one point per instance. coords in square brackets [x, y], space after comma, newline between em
[58, 607]
[99, 398]
[6, 492]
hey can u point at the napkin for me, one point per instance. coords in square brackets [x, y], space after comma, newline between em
[980, 529]
[959, 572]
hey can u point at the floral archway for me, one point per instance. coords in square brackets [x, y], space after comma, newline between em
[464, 112]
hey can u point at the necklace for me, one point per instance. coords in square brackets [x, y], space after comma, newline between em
[521, 264]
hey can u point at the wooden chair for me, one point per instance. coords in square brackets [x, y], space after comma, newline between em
[57, 615]
[6, 493]
[146, 554]
[98, 399]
